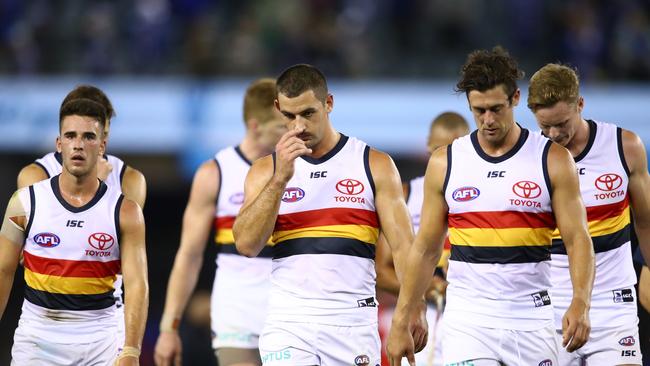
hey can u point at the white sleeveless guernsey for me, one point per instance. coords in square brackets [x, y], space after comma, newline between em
[325, 235]
[52, 164]
[71, 259]
[500, 225]
[603, 175]
[414, 201]
[241, 285]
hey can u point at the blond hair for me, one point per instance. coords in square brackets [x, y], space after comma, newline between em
[259, 100]
[551, 84]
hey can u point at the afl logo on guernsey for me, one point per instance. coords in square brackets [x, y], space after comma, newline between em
[464, 194]
[237, 198]
[627, 341]
[351, 187]
[545, 363]
[47, 240]
[608, 182]
[292, 194]
[527, 189]
[101, 241]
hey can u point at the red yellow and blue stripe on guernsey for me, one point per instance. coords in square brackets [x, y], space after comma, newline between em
[225, 240]
[69, 284]
[344, 231]
[609, 227]
[501, 236]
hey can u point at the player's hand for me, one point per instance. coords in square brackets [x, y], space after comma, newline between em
[104, 168]
[288, 148]
[575, 326]
[419, 327]
[168, 349]
[400, 344]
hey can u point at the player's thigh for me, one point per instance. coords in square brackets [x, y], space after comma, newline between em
[477, 362]
[344, 345]
[29, 350]
[288, 344]
[536, 347]
[468, 343]
[614, 346]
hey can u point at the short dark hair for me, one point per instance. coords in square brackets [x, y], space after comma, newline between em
[85, 108]
[93, 93]
[300, 78]
[485, 70]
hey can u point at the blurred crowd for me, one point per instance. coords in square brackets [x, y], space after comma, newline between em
[606, 39]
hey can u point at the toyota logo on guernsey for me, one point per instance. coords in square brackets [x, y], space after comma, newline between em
[609, 185]
[47, 240]
[102, 242]
[349, 186]
[292, 194]
[608, 182]
[527, 191]
[464, 194]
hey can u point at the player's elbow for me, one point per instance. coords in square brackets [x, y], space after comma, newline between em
[247, 248]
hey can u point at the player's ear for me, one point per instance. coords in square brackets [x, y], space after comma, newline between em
[58, 144]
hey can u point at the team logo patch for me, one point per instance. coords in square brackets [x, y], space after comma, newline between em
[237, 198]
[464, 194]
[608, 182]
[627, 341]
[624, 295]
[351, 187]
[541, 298]
[527, 189]
[546, 362]
[367, 302]
[47, 240]
[101, 241]
[362, 360]
[292, 194]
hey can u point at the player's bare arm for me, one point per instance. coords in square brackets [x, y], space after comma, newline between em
[133, 257]
[384, 267]
[12, 235]
[422, 258]
[638, 188]
[263, 190]
[571, 219]
[134, 186]
[197, 220]
[31, 174]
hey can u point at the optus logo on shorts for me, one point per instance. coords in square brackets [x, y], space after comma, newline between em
[546, 362]
[627, 341]
[464, 194]
[47, 240]
[292, 194]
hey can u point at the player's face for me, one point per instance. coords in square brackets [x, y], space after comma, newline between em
[80, 143]
[560, 121]
[306, 111]
[493, 112]
[270, 131]
[440, 136]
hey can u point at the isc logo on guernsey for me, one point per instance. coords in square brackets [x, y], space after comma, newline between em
[464, 194]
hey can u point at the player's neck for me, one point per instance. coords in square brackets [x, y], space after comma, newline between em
[78, 190]
[498, 148]
[580, 139]
[251, 150]
[325, 145]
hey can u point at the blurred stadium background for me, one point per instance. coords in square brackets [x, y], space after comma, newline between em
[176, 71]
